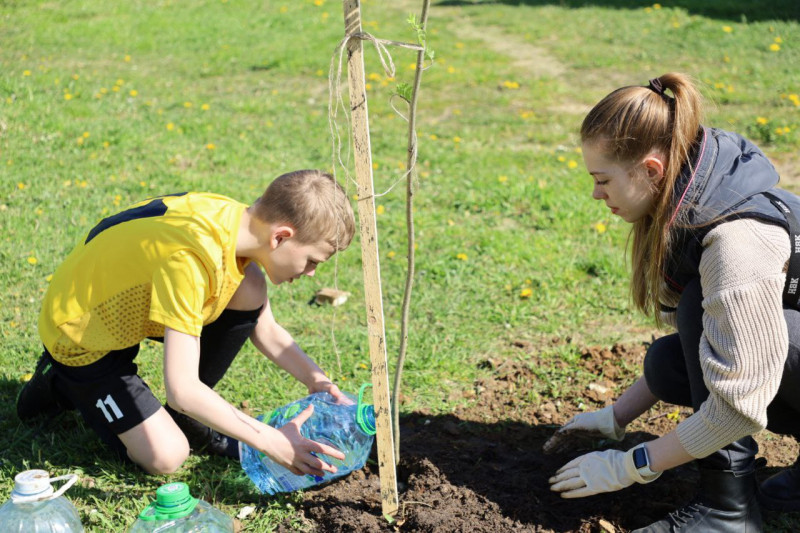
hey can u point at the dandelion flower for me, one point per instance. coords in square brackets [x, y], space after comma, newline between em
[511, 84]
[456, 139]
[211, 146]
[527, 292]
[133, 92]
[727, 29]
[600, 227]
[32, 260]
[572, 163]
[761, 121]
[26, 73]
[170, 126]
[205, 107]
[380, 210]
[390, 255]
[502, 179]
[774, 47]
[20, 185]
[462, 257]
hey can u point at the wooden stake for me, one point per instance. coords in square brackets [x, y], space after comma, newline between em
[369, 258]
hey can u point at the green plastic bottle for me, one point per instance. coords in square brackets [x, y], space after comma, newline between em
[176, 511]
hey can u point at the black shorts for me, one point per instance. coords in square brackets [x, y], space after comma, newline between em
[112, 398]
[108, 393]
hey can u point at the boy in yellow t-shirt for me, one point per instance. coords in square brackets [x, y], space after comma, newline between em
[186, 269]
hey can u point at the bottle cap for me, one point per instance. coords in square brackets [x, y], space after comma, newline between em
[173, 500]
[365, 413]
[37, 485]
[32, 483]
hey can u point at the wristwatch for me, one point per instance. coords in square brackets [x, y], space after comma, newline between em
[642, 462]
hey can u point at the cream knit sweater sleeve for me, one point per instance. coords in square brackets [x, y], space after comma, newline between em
[745, 340]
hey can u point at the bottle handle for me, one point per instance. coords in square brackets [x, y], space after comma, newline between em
[367, 425]
[71, 479]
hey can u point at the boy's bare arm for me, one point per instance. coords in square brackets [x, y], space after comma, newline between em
[278, 345]
[187, 394]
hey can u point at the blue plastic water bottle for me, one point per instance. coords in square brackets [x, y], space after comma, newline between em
[348, 428]
[35, 507]
[175, 511]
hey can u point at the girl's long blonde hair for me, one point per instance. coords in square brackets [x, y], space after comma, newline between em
[628, 125]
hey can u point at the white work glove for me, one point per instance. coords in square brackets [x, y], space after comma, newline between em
[584, 427]
[598, 472]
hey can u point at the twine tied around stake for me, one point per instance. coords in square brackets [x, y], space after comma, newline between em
[335, 102]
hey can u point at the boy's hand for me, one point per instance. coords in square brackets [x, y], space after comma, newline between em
[301, 455]
[333, 390]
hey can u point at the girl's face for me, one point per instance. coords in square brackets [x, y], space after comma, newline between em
[629, 190]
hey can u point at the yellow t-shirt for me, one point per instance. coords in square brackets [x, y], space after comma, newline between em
[167, 261]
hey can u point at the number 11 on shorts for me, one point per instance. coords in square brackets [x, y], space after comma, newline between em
[111, 404]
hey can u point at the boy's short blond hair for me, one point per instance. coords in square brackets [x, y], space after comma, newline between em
[311, 202]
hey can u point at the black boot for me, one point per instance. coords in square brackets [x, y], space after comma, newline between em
[38, 396]
[203, 439]
[781, 492]
[726, 504]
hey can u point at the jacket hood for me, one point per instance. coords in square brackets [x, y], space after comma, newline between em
[727, 169]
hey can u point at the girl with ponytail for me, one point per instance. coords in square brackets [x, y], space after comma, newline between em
[711, 247]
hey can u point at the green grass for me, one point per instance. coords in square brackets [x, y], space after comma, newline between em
[103, 104]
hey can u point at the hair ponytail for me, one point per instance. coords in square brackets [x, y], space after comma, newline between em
[629, 124]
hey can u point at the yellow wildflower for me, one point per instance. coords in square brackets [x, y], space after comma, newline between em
[527, 292]
[761, 120]
[462, 256]
[32, 260]
[600, 227]
[380, 210]
[727, 29]
[774, 47]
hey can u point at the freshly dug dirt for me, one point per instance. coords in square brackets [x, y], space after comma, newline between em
[481, 469]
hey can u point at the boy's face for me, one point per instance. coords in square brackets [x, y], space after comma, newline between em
[290, 260]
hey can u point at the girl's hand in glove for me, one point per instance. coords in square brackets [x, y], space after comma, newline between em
[585, 427]
[597, 472]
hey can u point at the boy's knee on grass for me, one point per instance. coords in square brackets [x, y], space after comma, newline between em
[166, 458]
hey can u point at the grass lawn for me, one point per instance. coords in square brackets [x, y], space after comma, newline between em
[106, 103]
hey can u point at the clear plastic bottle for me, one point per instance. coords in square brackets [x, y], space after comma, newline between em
[350, 428]
[175, 511]
[35, 507]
